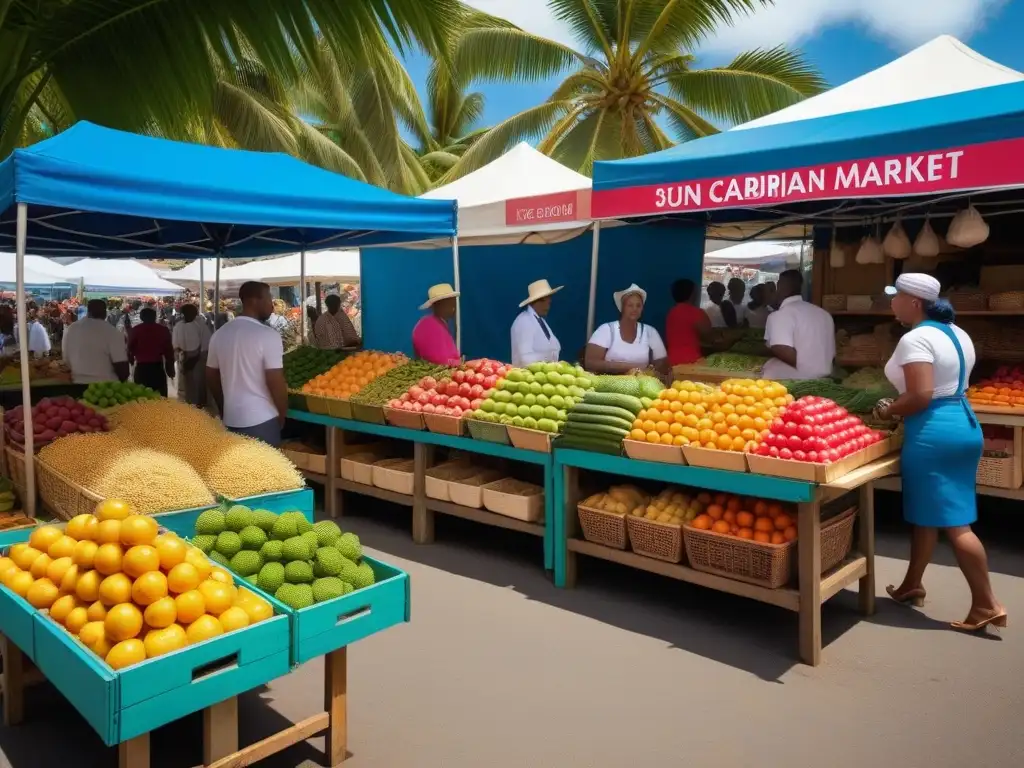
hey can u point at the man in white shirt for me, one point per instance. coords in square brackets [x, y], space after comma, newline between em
[191, 341]
[737, 291]
[245, 369]
[38, 338]
[94, 349]
[533, 341]
[801, 336]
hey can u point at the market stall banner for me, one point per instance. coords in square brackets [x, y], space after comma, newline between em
[978, 166]
[555, 208]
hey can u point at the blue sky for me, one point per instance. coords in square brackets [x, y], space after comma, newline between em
[843, 38]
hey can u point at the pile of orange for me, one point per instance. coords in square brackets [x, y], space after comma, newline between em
[125, 590]
[351, 374]
[727, 418]
[767, 522]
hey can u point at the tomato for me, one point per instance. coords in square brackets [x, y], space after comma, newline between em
[417, 407]
[794, 443]
[799, 456]
[778, 425]
[764, 449]
[833, 455]
[773, 452]
[805, 431]
[785, 453]
[812, 456]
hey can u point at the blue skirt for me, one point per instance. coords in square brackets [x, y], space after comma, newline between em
[941, 451]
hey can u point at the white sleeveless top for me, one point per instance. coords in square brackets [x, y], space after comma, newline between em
[643, 350]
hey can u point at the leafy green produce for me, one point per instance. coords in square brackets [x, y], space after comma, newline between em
[852, 399]
[730, 361]
[751, 343]
[397, 381]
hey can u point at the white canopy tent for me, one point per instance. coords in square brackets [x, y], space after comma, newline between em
[192, 275]
[120, 277]
[320, 266]
[38, 271]
[754, 254]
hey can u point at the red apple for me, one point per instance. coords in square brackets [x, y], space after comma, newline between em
[489, 382]
[459, 376]
[422, 398]
[475, 405]
[465, 389]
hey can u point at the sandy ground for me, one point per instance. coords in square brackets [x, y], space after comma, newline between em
[498, 668]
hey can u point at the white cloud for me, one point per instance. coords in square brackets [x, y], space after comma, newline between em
[901, 23]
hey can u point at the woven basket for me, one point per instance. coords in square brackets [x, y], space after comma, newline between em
[602, 527]
[837, 539]
[767, 565]
[860, 303]
[16, 470]
[491, 433]
[64, 498]
[834, 302]
[992, 471]
[1006, 301]
[662, 541]
[968, 300]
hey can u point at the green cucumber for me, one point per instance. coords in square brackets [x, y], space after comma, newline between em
[603, 410]
[626, 402]
[611, 421]
[596, 430]
[588, 444]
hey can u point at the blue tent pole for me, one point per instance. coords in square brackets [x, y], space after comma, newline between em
[26, 385]
[592, 306]
[458, 299]
[302, 295]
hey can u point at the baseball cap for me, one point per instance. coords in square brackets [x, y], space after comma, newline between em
[916, 284]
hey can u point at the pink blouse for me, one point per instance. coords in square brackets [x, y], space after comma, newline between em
[433, 342]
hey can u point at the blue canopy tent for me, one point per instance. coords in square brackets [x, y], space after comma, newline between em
[93, 191]
[795, 172]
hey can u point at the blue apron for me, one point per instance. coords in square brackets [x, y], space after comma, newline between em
[941, 450]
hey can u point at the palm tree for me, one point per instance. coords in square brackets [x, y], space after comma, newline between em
[453, 114]
[636, 77]
[137, 64]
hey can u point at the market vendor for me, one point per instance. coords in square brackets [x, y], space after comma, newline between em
[333, 329]
[533, 341]
[626, 344]
[800, 336]
[942, 444]
[191, 341]
[151, 351]
[94, 349]
[432, 337]
[685, 325]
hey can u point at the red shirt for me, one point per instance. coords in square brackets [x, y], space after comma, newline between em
[150, 343]
[682, 338]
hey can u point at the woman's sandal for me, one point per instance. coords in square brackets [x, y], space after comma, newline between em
[913, 596]
[999, 620]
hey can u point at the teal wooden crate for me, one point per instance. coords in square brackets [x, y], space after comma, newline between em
[16, 621]
[124, 704]
[183, 522]
[14, 537]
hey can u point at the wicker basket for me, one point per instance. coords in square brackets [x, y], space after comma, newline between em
[859, 303]
[371, 414]
[767, 565]
[1007, 301]
[834, 302]
[491, 433]
[662, 541]
[837, 539]
[16, 470]
[994, 472]
[602, 527]
[63, 497]
[968, 299]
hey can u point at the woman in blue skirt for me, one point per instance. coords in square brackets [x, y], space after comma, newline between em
[942, 444]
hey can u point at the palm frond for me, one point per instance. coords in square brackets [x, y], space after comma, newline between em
[670, 25]
[511, 55]
[252, 121]
[593, 23]
[318, 149]
[684, 121]
[471, 110]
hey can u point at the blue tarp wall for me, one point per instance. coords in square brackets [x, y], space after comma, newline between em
[394, 283]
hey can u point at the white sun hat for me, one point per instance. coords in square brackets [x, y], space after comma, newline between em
[916, 284]
[437, 293]
[633, 288]
[538, 290]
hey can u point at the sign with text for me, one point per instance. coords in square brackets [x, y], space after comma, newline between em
[547, 209]
[976, 166]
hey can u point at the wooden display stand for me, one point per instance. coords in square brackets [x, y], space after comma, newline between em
[220, 721]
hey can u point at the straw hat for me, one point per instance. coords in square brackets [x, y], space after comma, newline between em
[633, 288]
[437, 293]
[538, 290]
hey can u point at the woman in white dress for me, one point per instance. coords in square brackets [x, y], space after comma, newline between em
[626, 344]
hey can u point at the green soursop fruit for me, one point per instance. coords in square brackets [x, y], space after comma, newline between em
[327, 589]
[210, 522]
[284, 528]
[296, 548]
[364, 576]
[272, 551]
[348, 571]
[237, 518]
[295, 596]
[328, 561]
[348, 544]
[264, 519]
[271, 577]
[348, 588]
[253, 537]
[327, 532]
[246, 563]
[218, 558]
[205, 542]
[228, 544]
[298, 572]
[311, 539]
[254, 580]
[301, 523]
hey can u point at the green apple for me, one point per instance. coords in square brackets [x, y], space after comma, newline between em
[524, 411]
[503, 384]
[518, 398]
[503, 397]
[516, 375]
[535, 367]
[538, 389]
[551, 412]
[584, 382]
[569, 402]
[549, 390]
[558, 401]
[506, 420]
[541, 400]
[530, 378]
[487, 406]
[517, 421]
[547, 425]
[537, 412]
[562, 390]
[540, 377]
[567, 368]
[531, 399]
[562, 416]
[530, 423]
[575, 391]
[511, 409]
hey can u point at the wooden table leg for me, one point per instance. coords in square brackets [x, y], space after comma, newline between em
[14, 683]
[336, 704]
[332, 504]
[866, 546]
[570, 496]
[809, 557]
[422, 518]
[134, 753]
[220, 730]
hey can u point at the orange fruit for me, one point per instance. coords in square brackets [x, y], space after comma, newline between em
[138, 529]
[762, 537]
[44, 537]
[639, 435]
[42, 593]
[108, 558]
[85, 552]
[140, 559]
[217, 597]
[149, 588]
[116, 588]
[778, 538]
[62, 547]
[96, 612]
[76, 619]
[782, 522]
[745, 533]
[38, 569]
[82, 527]
[55, 571]
[729, 516]
[653, 437]
[92, 632]
[203, 628]
[6, 564]
[113, 509]
[774, 510]
[257, 608]
[25, 556]
[720, 526]
[182, 578]
[219, 574]
[123, 622]
[70, 580]
[160, 613]
[666, 439]
[61, 607]
[744, 520]
[164, 640]
[171, 549]
[88, 586]
[764, 525]
[234, 618]
[790, 533]
[126, 653]
[715, 511]
[760, 508]
[108, 532]
[197, 559]
[189, 606]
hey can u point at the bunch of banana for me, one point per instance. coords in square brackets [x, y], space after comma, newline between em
[6, 495]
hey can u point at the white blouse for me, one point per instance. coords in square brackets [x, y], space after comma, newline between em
[641, 352]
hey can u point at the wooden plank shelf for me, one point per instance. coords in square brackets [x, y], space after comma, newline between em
[484, 516]
[959, 312]
[375, 492]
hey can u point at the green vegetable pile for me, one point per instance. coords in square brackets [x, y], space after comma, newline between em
[600, 422]
[105, 394]
[854, 400]
[868, 378]
[304, 363]
[397, 381]
[730, 361]
[634, 386]
[752, 343]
